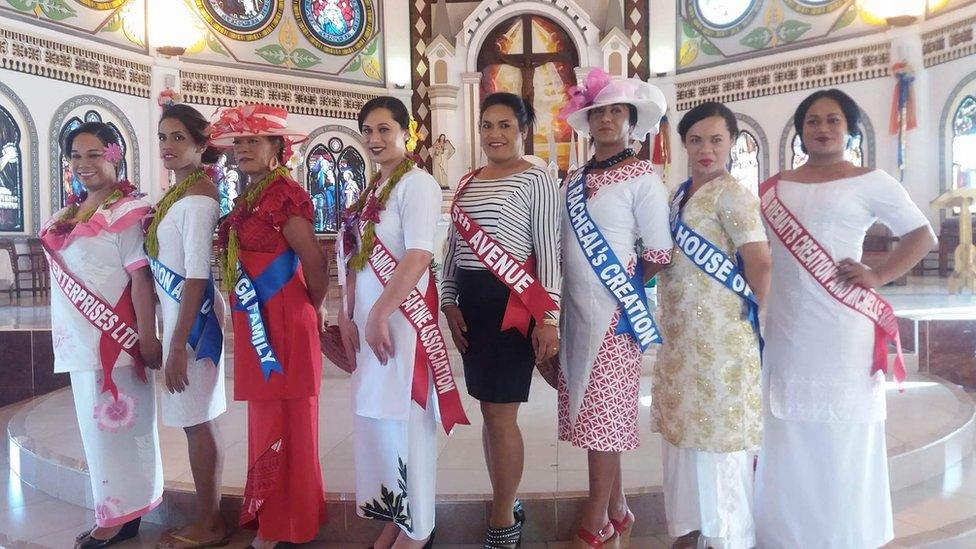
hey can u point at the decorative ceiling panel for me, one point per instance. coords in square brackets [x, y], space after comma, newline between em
[118, 22]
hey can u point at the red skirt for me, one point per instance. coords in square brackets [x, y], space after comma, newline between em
[284, 498]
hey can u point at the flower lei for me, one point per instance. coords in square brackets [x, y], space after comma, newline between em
[174, 193]
[227, 239]
[68, 220]
[368, 208]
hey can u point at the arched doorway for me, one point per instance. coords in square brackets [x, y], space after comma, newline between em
[534, 57]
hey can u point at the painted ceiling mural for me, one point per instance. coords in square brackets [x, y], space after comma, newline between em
[338, 38]
[120, 22]
[712, 32]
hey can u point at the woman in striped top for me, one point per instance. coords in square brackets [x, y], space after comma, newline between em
[500, 292]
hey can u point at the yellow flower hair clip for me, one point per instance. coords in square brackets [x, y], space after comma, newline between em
[413, 136]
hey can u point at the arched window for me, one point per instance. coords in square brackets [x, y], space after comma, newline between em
[854, 152]
[70, 184]
[964, 144]
[228, 179]
[745, 160]
[533, 57]
[11, 175]
[335, 177]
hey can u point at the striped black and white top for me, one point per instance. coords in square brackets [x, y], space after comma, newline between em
[523, 213]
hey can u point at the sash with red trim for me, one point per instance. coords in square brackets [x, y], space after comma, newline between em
[421, 311]
[816, 261]
[527, 298]
[117, 323]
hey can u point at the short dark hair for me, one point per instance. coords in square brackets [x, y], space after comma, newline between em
[708, 110]
[852, 112]
[631, 112]
[524, 112]
[101, 130]
[392, 104]
[196, 125]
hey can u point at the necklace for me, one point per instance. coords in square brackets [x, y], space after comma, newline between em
[595, 164]
[174, 193]
[368, 209]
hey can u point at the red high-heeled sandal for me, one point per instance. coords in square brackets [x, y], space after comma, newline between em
[599, 539]
[624, 528]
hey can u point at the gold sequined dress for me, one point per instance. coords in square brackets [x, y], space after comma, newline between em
[706, 389]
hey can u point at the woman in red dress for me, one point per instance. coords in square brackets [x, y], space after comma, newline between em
[275, 273]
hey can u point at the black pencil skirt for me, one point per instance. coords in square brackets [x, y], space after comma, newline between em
[497, 365]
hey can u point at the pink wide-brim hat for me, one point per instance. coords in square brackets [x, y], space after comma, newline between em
[599, 90]
[251, 120]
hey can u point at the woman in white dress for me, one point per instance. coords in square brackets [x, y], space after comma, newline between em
[179, 244]
[822, 477]
[615, 225]
[104, 334]
[387, 244]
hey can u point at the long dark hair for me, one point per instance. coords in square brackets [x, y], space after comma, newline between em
[196, 125]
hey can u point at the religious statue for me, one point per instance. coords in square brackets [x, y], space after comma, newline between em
[442, 152]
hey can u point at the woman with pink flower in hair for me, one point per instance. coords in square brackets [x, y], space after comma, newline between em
[615, 235]
[105, 335]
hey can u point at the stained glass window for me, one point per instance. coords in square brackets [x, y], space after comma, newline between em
[964, 144]
[11, 175]
[69, 183]
[336, 176]
[745, 160]
[228, 179]
[854, 152]
[723, 13]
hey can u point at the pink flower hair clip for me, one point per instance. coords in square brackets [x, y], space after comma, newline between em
[113, 153]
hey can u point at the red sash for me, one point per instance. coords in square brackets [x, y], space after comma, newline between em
[421, 311]
[816, 261]
[117, 323]
[527, 297]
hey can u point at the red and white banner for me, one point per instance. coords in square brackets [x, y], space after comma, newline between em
[816, 261]
[528, 298]
[116, 322]
[421, 311]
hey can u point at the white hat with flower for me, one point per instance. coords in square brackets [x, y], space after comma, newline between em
[599, 89]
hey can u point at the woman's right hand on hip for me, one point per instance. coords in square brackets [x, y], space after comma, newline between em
[455, 321]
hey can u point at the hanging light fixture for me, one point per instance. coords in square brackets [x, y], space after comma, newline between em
[897, 13]
[172, 26]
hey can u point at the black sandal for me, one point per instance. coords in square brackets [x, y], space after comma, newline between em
[510, 536]
[129, 530]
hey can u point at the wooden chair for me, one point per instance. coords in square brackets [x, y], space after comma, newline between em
[18, 266]
[40, 271]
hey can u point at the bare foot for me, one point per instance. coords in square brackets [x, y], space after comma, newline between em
[387, 537]
[404, 541]
[193, 535]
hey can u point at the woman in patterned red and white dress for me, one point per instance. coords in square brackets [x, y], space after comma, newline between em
[600, 370]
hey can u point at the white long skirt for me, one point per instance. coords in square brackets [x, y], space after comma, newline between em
[121, 444]
[709, 492]
[823, 485]
[396, 469]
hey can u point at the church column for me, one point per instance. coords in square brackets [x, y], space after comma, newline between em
[165, 75]
[471, 82]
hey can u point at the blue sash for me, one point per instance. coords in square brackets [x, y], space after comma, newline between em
[636, 319]
[713, 261]
[252, 293]
[206, 337]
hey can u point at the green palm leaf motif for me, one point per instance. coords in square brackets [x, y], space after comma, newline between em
[848, 17]
[708, 48]
[303, 58]
[392, 506]
[758, 39]
[23, 5]
[371, 48]
[790, 30]
[354, 66]
[214, 45]
[57, 10]
[273, 53]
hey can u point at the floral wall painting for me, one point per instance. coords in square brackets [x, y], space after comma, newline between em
[719, 31]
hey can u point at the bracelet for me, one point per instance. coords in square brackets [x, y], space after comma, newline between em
[551, 322]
